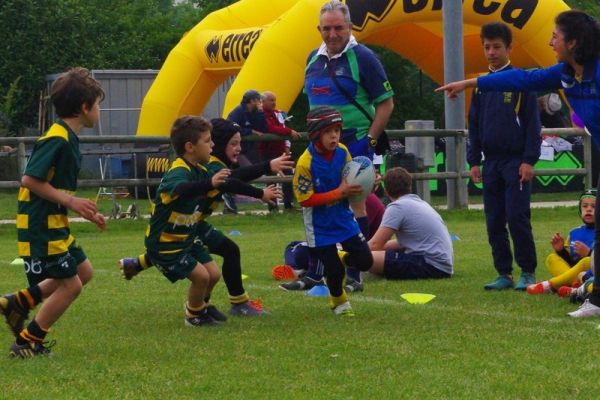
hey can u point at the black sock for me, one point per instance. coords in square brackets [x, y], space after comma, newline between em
[27, 299]
[33, 333]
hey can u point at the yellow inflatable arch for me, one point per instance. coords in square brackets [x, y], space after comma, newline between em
[266, 43]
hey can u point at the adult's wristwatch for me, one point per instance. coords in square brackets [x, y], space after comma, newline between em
[372, 141]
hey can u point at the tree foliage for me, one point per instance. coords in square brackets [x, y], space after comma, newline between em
[41, 37]
[48, 36]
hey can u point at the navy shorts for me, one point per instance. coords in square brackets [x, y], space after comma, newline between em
[59, 266]
[400, 265]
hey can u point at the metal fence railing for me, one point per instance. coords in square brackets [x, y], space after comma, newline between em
[455, 177]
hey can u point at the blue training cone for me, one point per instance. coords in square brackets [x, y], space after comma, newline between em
[318, 291]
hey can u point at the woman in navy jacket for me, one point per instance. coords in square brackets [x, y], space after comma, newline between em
[576, 42]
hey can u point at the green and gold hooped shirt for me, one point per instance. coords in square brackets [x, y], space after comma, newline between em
[42, 226]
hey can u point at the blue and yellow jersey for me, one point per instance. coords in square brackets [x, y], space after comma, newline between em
[331, 223]
[360, 73]
[174, 219]
[42, 226]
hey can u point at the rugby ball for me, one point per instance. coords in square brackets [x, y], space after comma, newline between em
[360, 171]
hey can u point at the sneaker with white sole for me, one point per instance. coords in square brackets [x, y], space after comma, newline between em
[344, 310]
[352, 285]
[587, 309]
[203, 319]
[130, 267]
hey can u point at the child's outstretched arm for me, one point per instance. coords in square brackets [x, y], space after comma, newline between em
[202, 187]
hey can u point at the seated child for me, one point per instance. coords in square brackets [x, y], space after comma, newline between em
[571, 256]
[226, 136]
[323, 194]
[412, 241]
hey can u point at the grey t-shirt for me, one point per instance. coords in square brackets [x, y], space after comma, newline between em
[420, 230]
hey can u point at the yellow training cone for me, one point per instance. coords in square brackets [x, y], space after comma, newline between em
[417, 298]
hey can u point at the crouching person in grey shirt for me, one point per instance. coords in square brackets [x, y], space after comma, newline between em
[422, 248]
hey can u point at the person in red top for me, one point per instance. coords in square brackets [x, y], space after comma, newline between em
[273, 149]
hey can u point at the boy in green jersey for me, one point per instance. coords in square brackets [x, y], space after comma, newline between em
[55, 264]
[176, 214]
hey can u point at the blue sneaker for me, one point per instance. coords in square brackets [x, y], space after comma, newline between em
[502, 282]
[527, 278]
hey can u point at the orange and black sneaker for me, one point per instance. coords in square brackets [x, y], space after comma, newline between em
[251, 308]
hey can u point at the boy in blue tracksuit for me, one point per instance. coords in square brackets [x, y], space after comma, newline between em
[505, 128]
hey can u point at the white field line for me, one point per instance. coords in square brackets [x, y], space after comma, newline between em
[358, 298]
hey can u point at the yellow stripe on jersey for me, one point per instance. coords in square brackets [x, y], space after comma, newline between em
[170, 251]
[24, 249]
[51, 173]
[56, 221]
[184, 219]
[24, 194]
[166, 198]
[22, 221]
[180, 163]
[56, 130]
[172, 237]
[59, 246]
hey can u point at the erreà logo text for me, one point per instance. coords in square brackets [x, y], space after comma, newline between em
[233, 47]
[512, 12]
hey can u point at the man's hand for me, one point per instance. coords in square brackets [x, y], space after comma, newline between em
[475, 174]
[557, 242]
[525, 172]
[350, 190]
[280, 163]
[220, 177]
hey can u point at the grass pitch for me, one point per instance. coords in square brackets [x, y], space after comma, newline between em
[127, 340]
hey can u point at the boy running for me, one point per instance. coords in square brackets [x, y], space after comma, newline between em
[323, 194]
[55, 265]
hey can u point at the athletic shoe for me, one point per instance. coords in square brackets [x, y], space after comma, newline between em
[344, 309]
[229, 206]
[130, 267]
[502, 282]
[539, 288]
[587, 309]
[15, 317]
[215, 313]
[353, 285]
[284, 272]
[580, 294]
[305, 283]
[563, 291]
[251, 308]
[526, 279]
[203, 319]
[30, 349]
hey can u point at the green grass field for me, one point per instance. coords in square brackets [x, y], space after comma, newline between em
[127, 340]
